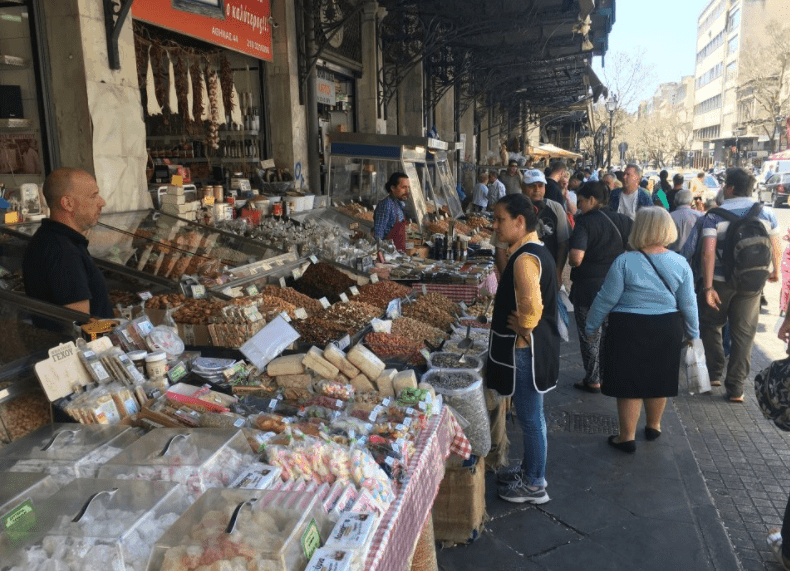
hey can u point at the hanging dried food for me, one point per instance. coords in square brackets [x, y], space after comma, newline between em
[214, 101]
[152, 106]
[182, 88]
[160, 78]
[141, 57]
[235, 114]
[226, 80]
[198, 86]
[190, 96]
[172, 98]
[206, 111]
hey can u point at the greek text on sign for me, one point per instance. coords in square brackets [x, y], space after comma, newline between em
[326, 91]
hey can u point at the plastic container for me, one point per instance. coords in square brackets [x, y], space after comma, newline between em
[94, 524]
[163, 338]
[199, 458]
[478, 349]
[17, 487]
[138, 358]
[309, 200]
[156, 364]
[471, 363]
[67, 451]
[273, 530]
[468, 400]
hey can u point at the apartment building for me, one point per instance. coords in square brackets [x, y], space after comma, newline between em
[724, 30]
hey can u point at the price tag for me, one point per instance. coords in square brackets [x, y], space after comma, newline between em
[324, 303]
[389, 460]
[251, 290]
[273, 404]
[411, 412]
[400, 427]
[424, 289]
[393, 309]
[339, 403]
[296, 273]
[239, 423]
[313, 258]
[144, 295]
[311, 539]
[385, 402]
[343, 297]
[177, 373]
[266, 267]
[354, 290]
[300, 313]
[422, 406]
[344, 342]
[282, 282]
[407, 421]
[198, 291]
[353, 226]
[285, 316]
[374, 278]
[425, 353]
[464, 307]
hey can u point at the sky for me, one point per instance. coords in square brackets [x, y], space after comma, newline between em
[666, 29]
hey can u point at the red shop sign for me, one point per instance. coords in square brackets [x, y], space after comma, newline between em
[239, 25]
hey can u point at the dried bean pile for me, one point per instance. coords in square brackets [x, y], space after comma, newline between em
[354, 315]
[417, 331]
[427, 313]
[317, 331]
[441, 301]
[289, 294]
[382, 293]
[322, 280]
[453, 361]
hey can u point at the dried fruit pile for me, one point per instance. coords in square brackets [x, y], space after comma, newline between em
[289, 294]
[353, 315]
[417, 331]
[424, 311]
[382, 293]
[323, 280]
[318, 331]
[391, 346]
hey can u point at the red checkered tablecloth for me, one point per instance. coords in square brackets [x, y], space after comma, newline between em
[461, 292]
[399, 529]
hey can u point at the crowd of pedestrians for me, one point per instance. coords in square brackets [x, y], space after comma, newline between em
[650, 272]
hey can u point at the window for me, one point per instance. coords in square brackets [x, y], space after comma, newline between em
[732, 70]
[734, 19]
[706, 23]
[732, 45]
[707, 133]
[710, 75]
[711, 46]
[708, 105]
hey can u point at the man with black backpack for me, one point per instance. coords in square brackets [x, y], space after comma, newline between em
[738, 253]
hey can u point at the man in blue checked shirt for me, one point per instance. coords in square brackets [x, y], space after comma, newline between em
[389, 221]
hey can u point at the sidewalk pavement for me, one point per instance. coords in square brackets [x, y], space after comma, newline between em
[609, 511]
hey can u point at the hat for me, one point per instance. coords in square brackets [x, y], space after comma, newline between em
[534, 175]
[772, 389]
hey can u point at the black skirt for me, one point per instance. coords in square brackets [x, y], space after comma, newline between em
[641, 355]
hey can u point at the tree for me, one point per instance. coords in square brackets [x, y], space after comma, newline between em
[764, 86]
[626, 76]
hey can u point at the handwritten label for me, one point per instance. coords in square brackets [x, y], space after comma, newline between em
[353, 226]
[282, 282]
[343, 297]
[425, 353]
[313, 258]
[324, 303]
[198, 291]
[296, 273]
[251, 290]
[144, 295]
[374, 278]
[464, 307]
[300, 313]
[393, 309]
[354, 290]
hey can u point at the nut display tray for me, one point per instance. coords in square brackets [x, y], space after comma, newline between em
[95, 524]
[66, 451]
[199, 458]
[245, 529]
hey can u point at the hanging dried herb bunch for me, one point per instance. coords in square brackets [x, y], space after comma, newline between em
[182, 88]
[160, 74]
[198, 105]
[226, 79]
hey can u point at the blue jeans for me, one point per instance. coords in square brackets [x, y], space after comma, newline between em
[529, 407]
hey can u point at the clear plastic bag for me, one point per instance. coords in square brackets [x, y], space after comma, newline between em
[693, 369]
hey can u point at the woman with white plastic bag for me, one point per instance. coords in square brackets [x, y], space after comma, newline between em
[693, 370]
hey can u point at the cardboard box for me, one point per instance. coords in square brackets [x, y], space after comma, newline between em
[190, 334]
[459, 509]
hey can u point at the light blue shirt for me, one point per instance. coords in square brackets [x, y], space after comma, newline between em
[632, 286]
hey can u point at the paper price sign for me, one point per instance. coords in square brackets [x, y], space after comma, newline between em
[324, 303]
[464, 307]
[282, 282]
[198, 291]
[344, 342]
[343, 297]
[424, 289]
[144, 295]
[300, 313]
[425, 353]
[296, 273]
[251, 290]
[374, 278]
[354, 290]
[313, 259]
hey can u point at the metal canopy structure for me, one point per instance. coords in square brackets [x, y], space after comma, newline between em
[515, 54]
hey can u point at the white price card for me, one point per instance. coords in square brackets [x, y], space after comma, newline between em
[198, 291]
[313, 258]
[296, 273]
[374, 278]
[424, 289]
[251, 290]
[324, 303]
[343, 297]
[282, 282]
[344, 342]
[144, 295]
[300, 313]
[354, 290]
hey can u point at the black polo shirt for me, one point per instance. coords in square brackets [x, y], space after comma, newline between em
[58, 268]
[554, 192]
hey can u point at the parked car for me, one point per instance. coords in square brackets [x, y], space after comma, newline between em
[711, 184]
[776, 189]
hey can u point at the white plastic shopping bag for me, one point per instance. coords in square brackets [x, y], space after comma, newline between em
[693, 370]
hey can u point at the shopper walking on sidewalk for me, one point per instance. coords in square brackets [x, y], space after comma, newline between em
[649, 297]
[599, 237]
[524, 351]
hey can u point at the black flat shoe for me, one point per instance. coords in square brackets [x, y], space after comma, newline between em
[629, 446]
[652, 433]
[582, 386]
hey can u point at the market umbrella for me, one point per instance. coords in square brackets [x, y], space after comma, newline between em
[537, 152]
[555, 151]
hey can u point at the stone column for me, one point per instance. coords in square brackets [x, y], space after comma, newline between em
[98, 123]
[287, 115]
[371, 120]
[410, 108]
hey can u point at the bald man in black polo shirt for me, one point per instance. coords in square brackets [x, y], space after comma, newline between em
[57, 266]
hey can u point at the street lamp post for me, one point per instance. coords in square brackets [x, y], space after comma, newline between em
[611, 107]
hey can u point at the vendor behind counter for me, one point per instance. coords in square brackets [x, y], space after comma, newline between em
[57, 267]
[389, 219]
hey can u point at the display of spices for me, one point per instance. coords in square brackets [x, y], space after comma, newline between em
[417, 331]
[289, 294]
[318, 331]
[381, 293]
[426, 312]
[323, 280]
[353, 315]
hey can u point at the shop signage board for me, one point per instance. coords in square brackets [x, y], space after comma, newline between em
[325, 89]
[239, 25]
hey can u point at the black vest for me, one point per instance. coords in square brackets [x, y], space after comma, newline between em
[545, 338]
[547, 229]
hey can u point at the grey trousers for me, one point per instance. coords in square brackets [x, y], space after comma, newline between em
[742, 311]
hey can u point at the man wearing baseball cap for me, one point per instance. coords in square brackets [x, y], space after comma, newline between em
[511, 178]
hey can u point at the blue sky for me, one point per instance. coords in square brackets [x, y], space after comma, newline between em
[667, 30]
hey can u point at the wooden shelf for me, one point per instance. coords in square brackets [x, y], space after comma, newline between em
[222, 135]
[177, 161]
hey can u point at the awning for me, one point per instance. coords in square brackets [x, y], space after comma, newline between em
[556, 152]
[537, 152]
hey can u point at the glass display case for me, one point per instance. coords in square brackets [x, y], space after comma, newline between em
[67, 451]
[18, 487]
[440, 182]
[199, 459]
[262, 529]
[95, 524]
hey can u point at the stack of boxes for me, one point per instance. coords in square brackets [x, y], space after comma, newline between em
[176, 204]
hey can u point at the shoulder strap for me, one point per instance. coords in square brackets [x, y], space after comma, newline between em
[755, 210]
[655, 269]
[613, 224]
[728, 215]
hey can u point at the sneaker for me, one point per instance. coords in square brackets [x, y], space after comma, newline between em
[518, 493]
[775, 544]
[507, 476]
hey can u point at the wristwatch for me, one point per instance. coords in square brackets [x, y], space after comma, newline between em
[709, 288]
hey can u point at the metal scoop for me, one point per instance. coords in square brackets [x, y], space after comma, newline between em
[483, 318]
[466, 343]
